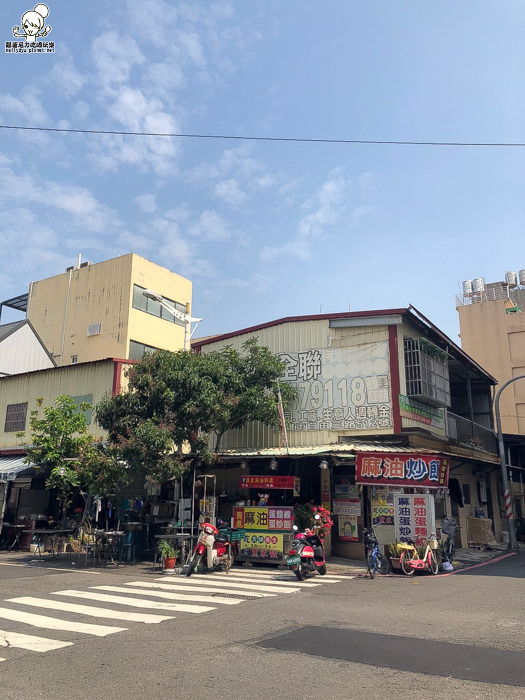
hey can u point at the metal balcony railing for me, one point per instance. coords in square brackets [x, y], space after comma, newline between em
[472, 435]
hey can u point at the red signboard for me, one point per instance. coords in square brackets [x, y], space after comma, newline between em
[264, 481]
[395, 469]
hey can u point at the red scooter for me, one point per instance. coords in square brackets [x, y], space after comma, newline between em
[217, 547]
[307, 555]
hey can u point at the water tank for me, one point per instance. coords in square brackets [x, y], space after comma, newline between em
[478, 285]
[521, 277]
[467, 288]
[511, 279]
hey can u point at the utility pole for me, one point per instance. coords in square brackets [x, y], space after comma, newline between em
[504, 475]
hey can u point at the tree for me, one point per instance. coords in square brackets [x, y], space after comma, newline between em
[178, 401]
[60, 444]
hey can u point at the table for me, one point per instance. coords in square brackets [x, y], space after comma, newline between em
[54, 536]
[106, 543]
[17, 531]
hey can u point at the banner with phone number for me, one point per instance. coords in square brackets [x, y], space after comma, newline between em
[266, 546]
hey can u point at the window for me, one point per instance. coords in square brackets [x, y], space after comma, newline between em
[153, 307]
[137, 350]
[15, 417]
[74, 359]
[87, 398]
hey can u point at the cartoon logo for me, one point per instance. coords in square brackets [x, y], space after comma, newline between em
[33, 24]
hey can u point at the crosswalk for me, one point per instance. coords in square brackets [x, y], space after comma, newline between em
[158, 599]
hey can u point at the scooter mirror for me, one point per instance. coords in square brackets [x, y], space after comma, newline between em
[294, 527]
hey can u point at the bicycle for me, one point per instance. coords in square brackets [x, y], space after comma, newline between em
[375, 561]
[410, 560]
[449, 528]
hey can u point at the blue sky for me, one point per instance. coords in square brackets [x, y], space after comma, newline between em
[267, 229]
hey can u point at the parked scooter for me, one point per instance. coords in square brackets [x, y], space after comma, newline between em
[307, 555]
[217, 547]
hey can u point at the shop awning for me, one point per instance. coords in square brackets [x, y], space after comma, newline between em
[11, 467]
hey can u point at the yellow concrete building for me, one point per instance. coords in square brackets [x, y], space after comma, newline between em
[492, 330]
[95, 311]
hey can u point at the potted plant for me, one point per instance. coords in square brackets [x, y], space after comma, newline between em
[393, 552]
[169, 556]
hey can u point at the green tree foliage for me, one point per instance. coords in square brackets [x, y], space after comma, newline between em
[61, 444]
[183, 400]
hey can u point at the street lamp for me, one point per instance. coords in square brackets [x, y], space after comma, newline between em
[180, 315]
[504, 476]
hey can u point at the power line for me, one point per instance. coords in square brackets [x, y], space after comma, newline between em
[266, 138]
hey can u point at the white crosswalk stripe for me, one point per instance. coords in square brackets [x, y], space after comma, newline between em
[145, 588]
[157, 600]
[54, 623]
[90, 610]
[28, 641]
[132, 602]
[205, 580]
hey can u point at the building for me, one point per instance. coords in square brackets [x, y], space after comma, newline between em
[95, 311]
[83, 329]
[492, 331]
[388, 407]
[21, 349]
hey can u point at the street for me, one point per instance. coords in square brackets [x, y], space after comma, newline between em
[260, 633]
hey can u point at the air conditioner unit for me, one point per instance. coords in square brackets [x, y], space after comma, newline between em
[94, 329]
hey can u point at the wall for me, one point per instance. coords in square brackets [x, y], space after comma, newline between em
[62, 307]
[21, 351]
[95, 378]
[350, 347]
[496, 340]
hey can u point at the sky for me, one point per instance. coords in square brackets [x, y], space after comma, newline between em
[269, 228]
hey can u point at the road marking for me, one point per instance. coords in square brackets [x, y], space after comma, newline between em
[201, 578]
[268, 581]
[132, 602]
[147, 585]
[91, 610]
[198, 588]
[53, 623]
[28, 641]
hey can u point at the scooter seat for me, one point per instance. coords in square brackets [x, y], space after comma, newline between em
[222, 538]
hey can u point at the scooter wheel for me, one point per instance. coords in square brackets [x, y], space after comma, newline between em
[300, 572]
[194, 563]
[322, 569]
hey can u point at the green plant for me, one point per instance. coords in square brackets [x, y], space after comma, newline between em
[167, 551]
[394, 549]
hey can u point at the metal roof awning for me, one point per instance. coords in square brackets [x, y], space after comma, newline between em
[11, 467]
[348, 451]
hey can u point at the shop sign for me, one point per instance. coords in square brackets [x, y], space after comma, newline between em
[347, 528]
[421, 413]
[414, 516]
[416, 470]
[263, 481]
[262, 546]
[347, 500]
[382, 514]
[263, 518]
[339, 388]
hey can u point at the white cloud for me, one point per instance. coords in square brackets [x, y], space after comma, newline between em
[146, 202]
[115, 55]
[325, 209]
[230, 192]
[27, 109]
[210, 227]
[65, 77]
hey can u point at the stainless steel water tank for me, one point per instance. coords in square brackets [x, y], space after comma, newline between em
[478, 285]
[521, 277]
[467, 288]
[511, 279]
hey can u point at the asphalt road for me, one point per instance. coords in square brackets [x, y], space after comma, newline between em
[449, 636]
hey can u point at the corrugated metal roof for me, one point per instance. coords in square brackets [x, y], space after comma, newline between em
[340, 450]
[10, 467]
[349, 451]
